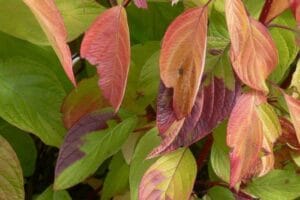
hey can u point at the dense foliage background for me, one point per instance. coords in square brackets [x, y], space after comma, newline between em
[149, 99]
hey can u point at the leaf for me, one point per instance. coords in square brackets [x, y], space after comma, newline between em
[276, 185]
[50, 194]
[219, 156]
[87, 147]
[116, 181]
[244, 136]
[288, 135]
[14, 47]
[294, 109]
[106, 44]
[218, 192]
[11, 184]
[272, 9]
[182, 58]
[22, 144]
[140, 164]
[253, 53]
[143, 77]
[84, 99]
[296, 78]
[170, 177]
[213, 104]
[147, 21]
[53, 25]
[141, 3]
[286, 46]
[30, 98]
[77, 14]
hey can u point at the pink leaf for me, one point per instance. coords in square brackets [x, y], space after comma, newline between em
[106, 44]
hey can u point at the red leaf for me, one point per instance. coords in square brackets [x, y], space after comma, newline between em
[253, 53]
[244, 136]
[182, 58]
[106, 44]
[84, 99]
[53, 25]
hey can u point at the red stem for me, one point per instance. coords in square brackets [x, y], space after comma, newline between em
[265, 11]
[204, 152]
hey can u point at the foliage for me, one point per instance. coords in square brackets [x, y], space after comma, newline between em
[149, 99]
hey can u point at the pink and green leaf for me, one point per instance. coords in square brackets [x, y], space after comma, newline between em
[170, 177]
[51, 21]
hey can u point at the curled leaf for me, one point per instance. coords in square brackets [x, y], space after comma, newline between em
[106, 44]
[244, 137]
[253, 53]
[52, 24]
[182, 58]
[170, 177]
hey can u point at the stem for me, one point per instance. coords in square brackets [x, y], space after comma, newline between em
[126, 3]
[265, 11]
[283, 27]
[204, 152]
[208, 2]
[113, 3]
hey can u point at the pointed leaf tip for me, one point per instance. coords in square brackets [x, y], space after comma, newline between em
[106, 44]
[51, 21]
[182, 58]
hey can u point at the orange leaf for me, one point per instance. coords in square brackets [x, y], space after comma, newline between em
[53, 25]
[244, 136]
[272, 9]
[253, 53]
[183, 56]
[294, 109]
[106, 44]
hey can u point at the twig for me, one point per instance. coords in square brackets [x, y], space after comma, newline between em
[204, 152]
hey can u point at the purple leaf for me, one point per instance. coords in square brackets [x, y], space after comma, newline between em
[70, 150]
[141, 3]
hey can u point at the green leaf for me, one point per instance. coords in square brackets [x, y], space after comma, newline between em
[153, 22]
[77, 14]
[14, 47]
[22, 144]
[50, 194]
[296, 78]
[30, 98]
[97, 147]
[116, 181]
[11, 178]
[286, 45]
[219, 156]
[276, 185]
[139, 163]
[172, 176]
[218, 192]
[143, 70]
[270, 121]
